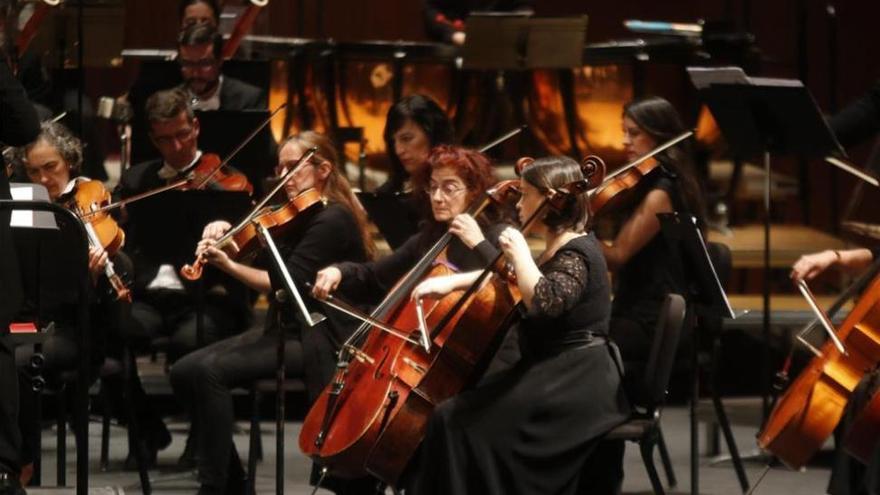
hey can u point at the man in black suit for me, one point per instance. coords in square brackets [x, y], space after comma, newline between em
[19, 125]
[199, 53]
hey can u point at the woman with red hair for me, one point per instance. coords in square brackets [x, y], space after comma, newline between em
[454, 178]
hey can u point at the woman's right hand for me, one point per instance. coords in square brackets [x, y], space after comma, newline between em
[809, 266]
[216, 229]
[326, 282]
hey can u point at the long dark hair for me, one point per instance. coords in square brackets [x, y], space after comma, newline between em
[428, 115]
[660, 120]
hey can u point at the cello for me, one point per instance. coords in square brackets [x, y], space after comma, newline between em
[371, 418]
[813, 404]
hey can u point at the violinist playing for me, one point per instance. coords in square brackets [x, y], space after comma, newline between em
[644, 268]
[333, 232]
[164, 305]
[531, 428]
[54, 160]
[848, 475]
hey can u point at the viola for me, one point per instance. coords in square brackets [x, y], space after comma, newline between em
[615, 188]
[243, 242]
[373, 415]
[210, 173]
[87, 200]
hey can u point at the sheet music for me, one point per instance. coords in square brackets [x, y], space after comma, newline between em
[28, 218]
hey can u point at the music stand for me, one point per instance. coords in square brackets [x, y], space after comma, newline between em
[769, 116]
[69, 228]
[393, 214]
[223, 130]
[494, 41]
[705, 296]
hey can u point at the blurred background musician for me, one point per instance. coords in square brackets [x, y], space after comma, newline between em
[164, 304]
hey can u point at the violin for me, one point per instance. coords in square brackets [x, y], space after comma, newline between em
[210, 173]
[241, 241]
[86, 200]
[373, 415]
[616, 186]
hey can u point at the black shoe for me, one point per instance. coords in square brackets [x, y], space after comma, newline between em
[187, 459]
[236, 485]
[9, 484]
[157, 438]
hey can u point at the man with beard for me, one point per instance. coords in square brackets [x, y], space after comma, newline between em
[199, 53]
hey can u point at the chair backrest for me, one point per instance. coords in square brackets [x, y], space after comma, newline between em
[662, 355]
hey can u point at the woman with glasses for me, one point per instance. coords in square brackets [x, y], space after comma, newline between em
[203, 380]
[532, 428]
[455, 178]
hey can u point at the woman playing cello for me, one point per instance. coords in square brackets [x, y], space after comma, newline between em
[203, 379]
[531, 428]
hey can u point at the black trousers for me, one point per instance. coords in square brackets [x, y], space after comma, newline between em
[174, 314]
[202, 382]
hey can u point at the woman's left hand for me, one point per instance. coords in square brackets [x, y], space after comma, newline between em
[514, 244]
[466, 228]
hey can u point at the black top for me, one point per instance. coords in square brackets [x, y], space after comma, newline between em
[369, 282]
[570, 304]
[325, 235]
[859, 120]
[643, 282]
[445, 17]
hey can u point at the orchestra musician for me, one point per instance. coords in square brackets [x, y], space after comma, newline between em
[19, 125]
[645, 269]
[203, 380]
[199, 12]
[200, 56]
[54, 160]
[163, 304]
[533, 427]
[413, 126]
[457, 177]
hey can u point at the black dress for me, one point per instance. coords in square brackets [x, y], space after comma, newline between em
[530, 429]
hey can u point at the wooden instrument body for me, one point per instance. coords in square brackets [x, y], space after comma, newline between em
[806, 415]
[382, 414]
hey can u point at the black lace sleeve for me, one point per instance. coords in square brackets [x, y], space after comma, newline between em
[564, 280]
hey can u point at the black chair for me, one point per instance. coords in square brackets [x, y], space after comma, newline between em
[643, 427]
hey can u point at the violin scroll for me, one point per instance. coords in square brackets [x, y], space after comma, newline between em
[594, 170]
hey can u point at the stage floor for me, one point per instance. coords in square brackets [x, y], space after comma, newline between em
[714, 479]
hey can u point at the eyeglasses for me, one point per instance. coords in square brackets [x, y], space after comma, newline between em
[448, 189]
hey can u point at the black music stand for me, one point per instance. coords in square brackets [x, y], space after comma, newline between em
[393, 213]
[766, 117]
[705, 296]
[70, 230]
[223, 130]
